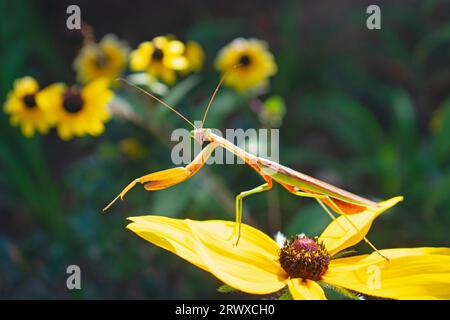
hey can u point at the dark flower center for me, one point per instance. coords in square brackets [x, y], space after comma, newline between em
[303, 257]
[101, 60]
[29, 100]
[72, 101]
[244, 60]
[158, 54]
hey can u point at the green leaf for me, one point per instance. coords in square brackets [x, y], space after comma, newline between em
[404, 121]
[441, 140]
[226, 289]
[285, 296]
[179, 92]
[343, 291]
[435, 39]
[344, 253]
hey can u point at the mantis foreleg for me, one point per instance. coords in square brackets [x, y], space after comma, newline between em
[169, 177]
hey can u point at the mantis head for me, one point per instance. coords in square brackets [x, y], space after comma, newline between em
[201, 135]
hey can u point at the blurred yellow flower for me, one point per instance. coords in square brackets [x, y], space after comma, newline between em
[24, 111]
[195, 56]
[107, 58]
[78, 111]
[258, 265]
[247, 62]
[131, 147]
[160, 58]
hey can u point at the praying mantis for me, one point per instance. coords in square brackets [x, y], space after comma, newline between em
[328, 196]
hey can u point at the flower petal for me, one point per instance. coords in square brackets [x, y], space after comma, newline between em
[305, 290]
[50, 97]
[176, 63]
[174, 47]
[173, 235]
[417, 273]
[251, 266]
[140, 58]
[340, 234]
[25, 85]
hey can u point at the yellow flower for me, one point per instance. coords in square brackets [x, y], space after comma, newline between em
[131, 147]
[78, 111]
[107, 59]
[257, 265]
[24, 111]
[248, 64]
[195, 56]
[160, 58]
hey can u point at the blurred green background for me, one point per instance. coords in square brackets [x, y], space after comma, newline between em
[366, 110]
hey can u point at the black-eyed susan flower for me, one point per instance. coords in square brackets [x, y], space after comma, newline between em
[107, 59]
[247, 62]
[258, 265]
[23, 109]
[195, 55]
[160, 58]
[78, 111]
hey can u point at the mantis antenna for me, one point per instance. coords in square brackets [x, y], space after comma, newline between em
[215, 92]
[157, 99]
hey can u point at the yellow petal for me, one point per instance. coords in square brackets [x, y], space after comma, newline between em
[173, 235]
[174, 47]
[160, 41]
[27, 129]
[140, 58]
[50, 97]
[176, 63]
[195, 55]
[340, 234]
[25, 85]
[13, 104]
[417, 273]
[64, 132]
[168, 76]
[96, 88]
[305, 290]
[251, 266]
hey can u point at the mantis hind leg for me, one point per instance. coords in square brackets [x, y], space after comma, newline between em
[264, 187]
[316, 196]
[320, 199]
[353, 225]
